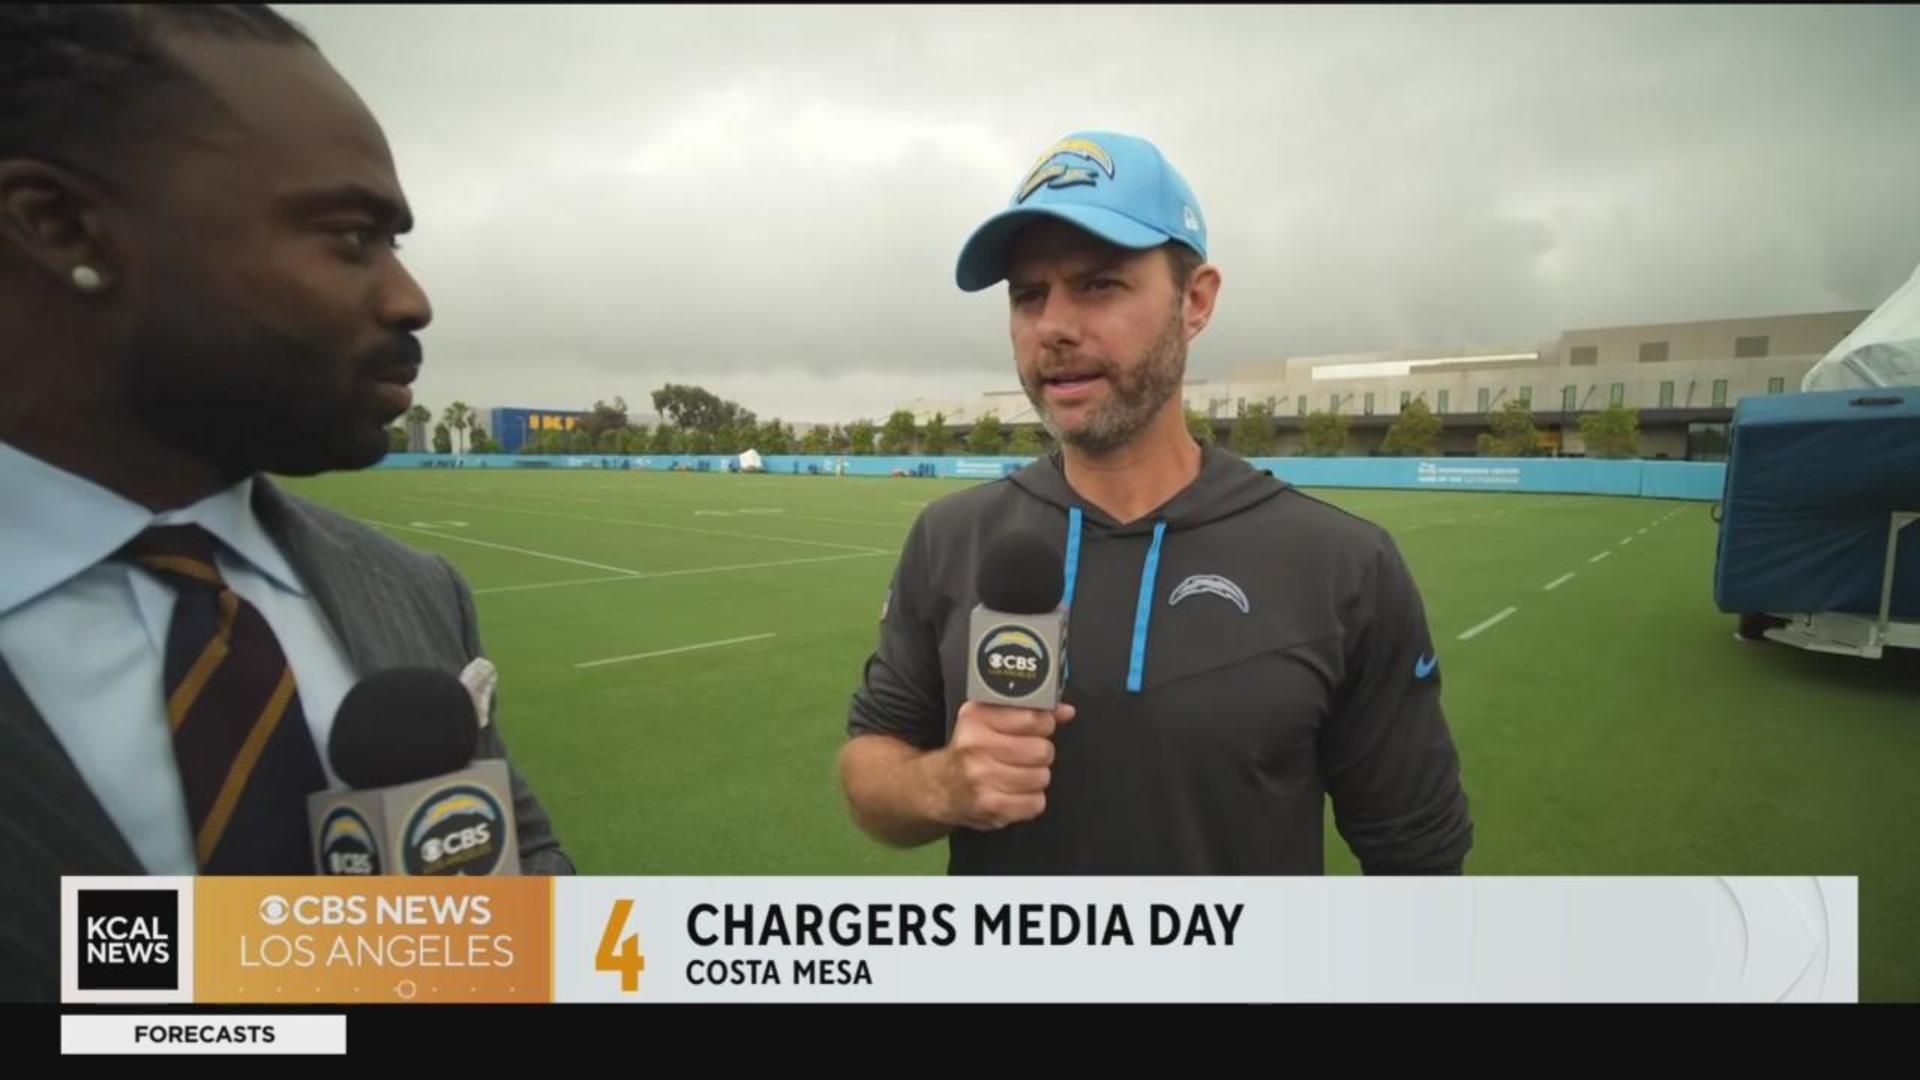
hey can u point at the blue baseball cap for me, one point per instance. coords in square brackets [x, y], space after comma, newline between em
[1117, 187]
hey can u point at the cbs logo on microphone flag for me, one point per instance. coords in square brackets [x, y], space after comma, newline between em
[1013, 661]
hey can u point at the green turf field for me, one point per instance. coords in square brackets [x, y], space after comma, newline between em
[1609, 725]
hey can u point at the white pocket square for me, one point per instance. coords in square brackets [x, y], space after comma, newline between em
[480, 678]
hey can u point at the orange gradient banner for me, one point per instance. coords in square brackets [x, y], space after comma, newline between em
[377, 940]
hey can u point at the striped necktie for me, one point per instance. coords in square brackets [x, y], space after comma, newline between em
[246, 758]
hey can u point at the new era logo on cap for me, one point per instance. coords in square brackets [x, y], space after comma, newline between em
[1117, 187]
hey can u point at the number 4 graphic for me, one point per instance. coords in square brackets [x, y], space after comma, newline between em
[621, 955]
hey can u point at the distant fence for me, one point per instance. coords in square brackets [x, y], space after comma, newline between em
[1574, 476]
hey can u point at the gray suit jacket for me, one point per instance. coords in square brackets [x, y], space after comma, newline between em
[390, 606]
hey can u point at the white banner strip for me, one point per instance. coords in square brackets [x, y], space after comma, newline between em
[191, 1033]
[1335, 939]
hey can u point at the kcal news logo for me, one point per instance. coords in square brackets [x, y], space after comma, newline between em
[129, 939]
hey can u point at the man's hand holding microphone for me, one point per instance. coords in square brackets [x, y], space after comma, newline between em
[997, 764]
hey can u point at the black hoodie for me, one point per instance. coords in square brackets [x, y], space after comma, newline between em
[1234, 656]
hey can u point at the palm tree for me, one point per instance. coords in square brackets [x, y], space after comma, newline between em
[418, 418]
[457, 416]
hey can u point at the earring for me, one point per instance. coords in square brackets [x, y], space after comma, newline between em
[86, 278]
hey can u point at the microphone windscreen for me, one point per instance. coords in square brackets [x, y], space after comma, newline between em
[402, 725]
[1021, 574]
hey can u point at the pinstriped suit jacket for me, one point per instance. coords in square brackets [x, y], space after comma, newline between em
[391, 606]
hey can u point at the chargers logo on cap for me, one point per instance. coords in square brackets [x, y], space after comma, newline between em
[1048, 172]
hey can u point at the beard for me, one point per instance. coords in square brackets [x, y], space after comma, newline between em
[1137, 396]
[246, 398]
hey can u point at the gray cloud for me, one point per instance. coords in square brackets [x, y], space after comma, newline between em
[769, 201]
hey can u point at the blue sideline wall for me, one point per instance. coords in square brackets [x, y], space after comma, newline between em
[1575, 476]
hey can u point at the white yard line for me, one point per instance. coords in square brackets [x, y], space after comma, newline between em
[676, 573]
[670, 652]
[630, 504]
[505, 547]
[1600, 556]
[1489, 624]
[656, 525]
[1557, 582]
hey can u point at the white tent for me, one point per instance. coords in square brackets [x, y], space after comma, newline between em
[1882, 351]
[750, 462]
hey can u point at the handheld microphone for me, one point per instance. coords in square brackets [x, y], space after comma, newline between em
[404, 739]
[1018, 632]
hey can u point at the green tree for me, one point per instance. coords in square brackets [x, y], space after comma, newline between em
[937, 439]
[700, 409]
[681, 442]
[1512, 434]
[579, 442]
[700, 442]
[814, 441]
[1026, 442]
[1200, 426]
[1326, 434]
[987, 437]
[634, 440]
[897, 436]
[418, 418]
[860, 437]
[479, 442]
[1613, 432]
[603, 418]
[609, 441]
[1253, 431]
[450, 419]
[442, 439]
[662, 440]
[1414, 433]
[457, 416]
[775, 437]
[397, 439]
[688, 406]
[837, 441]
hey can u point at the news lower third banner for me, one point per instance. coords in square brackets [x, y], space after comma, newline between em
[395, 940]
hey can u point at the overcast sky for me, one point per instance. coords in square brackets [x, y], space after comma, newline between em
[769, 201]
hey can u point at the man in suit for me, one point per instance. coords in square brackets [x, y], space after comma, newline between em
[198, 286]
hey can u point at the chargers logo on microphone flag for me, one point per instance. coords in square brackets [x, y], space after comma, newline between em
[455, 830]
[347, 844]
[1013, 661]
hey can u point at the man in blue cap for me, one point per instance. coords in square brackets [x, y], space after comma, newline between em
[1237, 651]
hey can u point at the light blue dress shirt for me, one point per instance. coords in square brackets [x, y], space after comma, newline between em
[86, 636]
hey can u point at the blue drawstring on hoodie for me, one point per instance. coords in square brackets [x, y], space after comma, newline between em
[1143, 610]
[1073, 569]
[1136, 666]
[1073, 553]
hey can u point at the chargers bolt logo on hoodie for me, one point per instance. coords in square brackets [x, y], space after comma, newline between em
[1212, 585]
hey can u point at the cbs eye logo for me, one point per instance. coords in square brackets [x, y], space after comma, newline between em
[1013, 661]
[274, 910]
